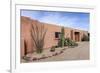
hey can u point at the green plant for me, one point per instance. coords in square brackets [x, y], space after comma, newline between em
[26, 58]
[52, 49]
[62, 38]
[85, 38]
[56, 46]
[39, 51]
[69, 42]
[38, 33]
[65, 42]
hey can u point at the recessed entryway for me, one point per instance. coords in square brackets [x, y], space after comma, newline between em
[77, 36]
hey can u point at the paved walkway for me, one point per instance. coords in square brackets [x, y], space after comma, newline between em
[78, 53]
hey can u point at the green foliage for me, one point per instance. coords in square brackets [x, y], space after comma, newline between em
[62, 37]
[52, 49]
[38, 33]
[85, 38]
[26, 58]
[65, 42]
[69, 42]
[56, 46]
[39, 50]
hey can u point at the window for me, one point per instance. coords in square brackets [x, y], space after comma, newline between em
[57, 34]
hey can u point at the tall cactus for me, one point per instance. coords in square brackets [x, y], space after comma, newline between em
[62, 37]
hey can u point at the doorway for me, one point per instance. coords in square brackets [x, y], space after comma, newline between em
[25, 47]
[77, 36]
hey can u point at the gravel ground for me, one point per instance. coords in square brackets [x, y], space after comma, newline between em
[81, 52]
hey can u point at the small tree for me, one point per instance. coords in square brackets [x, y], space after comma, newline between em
[38, 33]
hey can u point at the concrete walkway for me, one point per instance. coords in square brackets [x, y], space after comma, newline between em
[81, 52]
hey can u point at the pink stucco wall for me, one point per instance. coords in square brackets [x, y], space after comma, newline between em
[50, 40]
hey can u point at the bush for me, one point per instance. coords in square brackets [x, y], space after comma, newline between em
[26, 58]
[56, 46]
[39, 51]
[65, 42]
[52, 49]
[85, 38]
[69, 42]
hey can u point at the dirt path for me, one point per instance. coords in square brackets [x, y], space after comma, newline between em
[78, 53]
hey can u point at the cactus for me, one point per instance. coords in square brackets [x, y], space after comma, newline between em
[62, 37]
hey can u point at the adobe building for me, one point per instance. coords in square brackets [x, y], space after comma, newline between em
[51, 37]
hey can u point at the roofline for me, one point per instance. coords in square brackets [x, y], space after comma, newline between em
[55, 24]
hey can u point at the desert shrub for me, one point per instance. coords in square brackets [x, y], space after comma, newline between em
[56, 46]
[69, 42]
[65, 42]
[52, 49]
[85, 38]
[39, 51]
[26, 58]
[38, 33]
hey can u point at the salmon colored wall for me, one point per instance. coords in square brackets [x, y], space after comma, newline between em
[25, 35]
[50, 40]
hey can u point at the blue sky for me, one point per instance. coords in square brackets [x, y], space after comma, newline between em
[76, 20]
